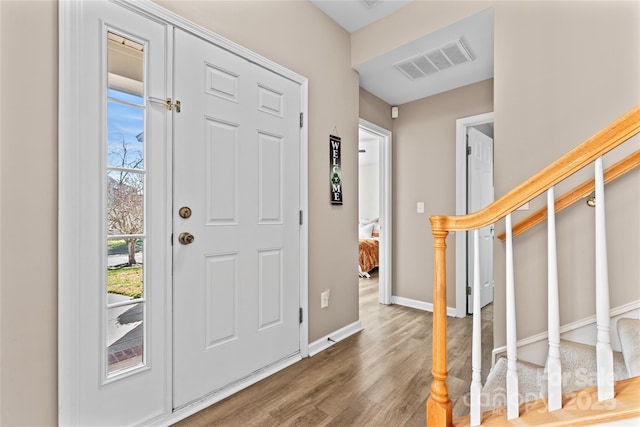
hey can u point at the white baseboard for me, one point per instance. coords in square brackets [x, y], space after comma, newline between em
[420, 305]
[328, 340]
[215, 397]
[571, 331]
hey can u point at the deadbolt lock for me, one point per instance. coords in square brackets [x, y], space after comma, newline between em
[186, 238]
[185, 212]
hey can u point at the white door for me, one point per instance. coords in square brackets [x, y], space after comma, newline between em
[114, 246]
[236, 167]
[480, 194]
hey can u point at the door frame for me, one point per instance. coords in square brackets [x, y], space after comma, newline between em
[385, 254]
[69, 145]
[461, 205]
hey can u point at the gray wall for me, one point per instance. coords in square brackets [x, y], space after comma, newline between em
[424, 153]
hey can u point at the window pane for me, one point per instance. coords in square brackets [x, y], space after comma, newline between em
[125, 271]
[125, 334]
[125, 128]
[125, 202]
[125, 205]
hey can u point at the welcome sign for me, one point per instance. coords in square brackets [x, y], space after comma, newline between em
[335, 170]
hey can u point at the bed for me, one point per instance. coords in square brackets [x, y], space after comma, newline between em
[369, 248]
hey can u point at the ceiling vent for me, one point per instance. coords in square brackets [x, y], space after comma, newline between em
[447, 56]
[371, 3]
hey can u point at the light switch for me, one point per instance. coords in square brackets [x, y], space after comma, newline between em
[420, 207]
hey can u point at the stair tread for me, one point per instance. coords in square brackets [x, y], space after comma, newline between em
[579, 366]
[629, 334]
[494, 392]
[579, 409]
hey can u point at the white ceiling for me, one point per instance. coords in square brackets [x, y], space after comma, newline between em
[353, 15]
[382, 79]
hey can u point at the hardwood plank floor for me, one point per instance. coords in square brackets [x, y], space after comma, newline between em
[378, 377]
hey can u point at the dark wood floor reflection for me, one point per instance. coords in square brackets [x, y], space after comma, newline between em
[378, 377]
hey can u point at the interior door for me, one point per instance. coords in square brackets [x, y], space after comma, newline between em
[236, 251]
[480, 194]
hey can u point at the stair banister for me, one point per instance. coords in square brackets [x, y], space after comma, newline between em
[476, 346]
[513, 391]
[582, 155]
[439, 406]
[577, 193]
[604, 353]
[554, 371]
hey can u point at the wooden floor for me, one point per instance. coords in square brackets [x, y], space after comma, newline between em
[378, 377]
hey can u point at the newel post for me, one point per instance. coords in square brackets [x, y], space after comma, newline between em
[439, 405]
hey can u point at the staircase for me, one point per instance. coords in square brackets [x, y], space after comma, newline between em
[579, 384]
[578, 363]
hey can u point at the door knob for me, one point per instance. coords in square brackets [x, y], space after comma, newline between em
[186, 238]
[185, 212]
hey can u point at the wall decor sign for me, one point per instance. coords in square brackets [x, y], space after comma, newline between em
[335, 170]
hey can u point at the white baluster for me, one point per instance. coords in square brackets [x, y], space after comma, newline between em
[476, 350]
[512, 336]
[554, 369]
[603, 345]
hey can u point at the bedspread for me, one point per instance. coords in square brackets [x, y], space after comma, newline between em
[368, 254]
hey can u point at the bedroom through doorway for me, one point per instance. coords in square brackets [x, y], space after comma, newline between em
[374, 210]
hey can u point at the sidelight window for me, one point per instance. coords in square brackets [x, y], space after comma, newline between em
[125, 206]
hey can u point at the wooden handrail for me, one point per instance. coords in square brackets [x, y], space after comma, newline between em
[579, 192]
[599, 144]
[439, 407]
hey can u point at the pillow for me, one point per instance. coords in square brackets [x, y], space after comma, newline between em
[365, 231]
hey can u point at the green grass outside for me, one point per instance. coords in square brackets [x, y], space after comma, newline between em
[125, 281]
[115, 243]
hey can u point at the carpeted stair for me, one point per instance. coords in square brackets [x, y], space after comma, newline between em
[629, 334]
[578, 363]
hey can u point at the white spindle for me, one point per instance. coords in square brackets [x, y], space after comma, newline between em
[512, 336]
[476, 350]
[603, 345]
[554, 369]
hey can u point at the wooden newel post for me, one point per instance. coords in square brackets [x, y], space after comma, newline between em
[439, 405]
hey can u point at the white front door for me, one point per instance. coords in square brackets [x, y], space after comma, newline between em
[480, 194]
[236, 167]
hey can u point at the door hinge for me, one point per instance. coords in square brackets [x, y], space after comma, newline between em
[301, 119]
[300, 314]
[468, 290]
[171, 239]
[301, 217]
[167, 102]
[468, 150]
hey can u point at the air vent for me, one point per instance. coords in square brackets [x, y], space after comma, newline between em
[447, 56]
[371, 3]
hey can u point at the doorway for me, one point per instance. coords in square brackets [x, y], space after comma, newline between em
[374, 201]
[474, 189]
[118, 362]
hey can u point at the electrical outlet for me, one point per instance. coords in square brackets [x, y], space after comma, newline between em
[324, 298]
[420, 207]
